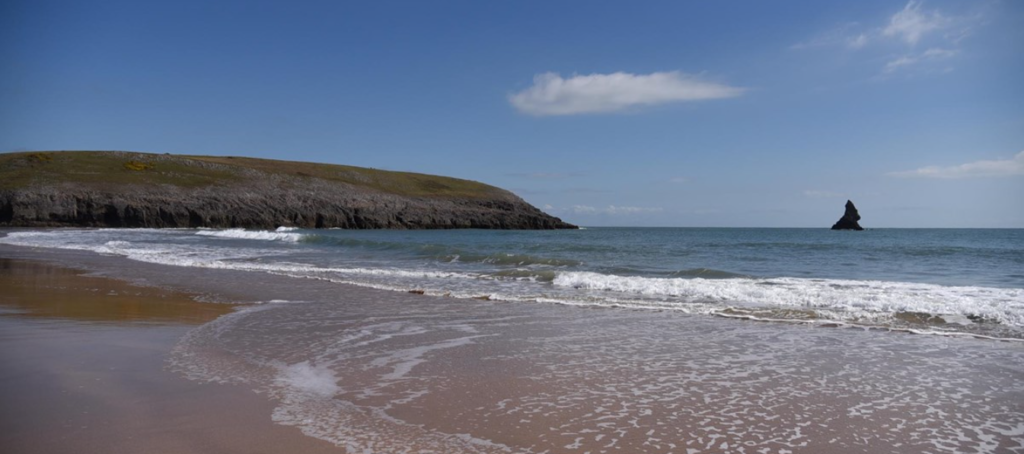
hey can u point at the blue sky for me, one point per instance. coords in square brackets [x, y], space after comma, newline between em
[636, 114]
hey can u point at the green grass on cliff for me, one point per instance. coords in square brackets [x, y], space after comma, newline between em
[110, 169]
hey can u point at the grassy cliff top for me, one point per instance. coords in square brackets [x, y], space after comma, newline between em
[110, 169]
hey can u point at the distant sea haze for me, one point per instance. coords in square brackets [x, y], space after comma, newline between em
[939, 281]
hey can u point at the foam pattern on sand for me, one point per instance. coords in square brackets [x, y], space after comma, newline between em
[399, 376]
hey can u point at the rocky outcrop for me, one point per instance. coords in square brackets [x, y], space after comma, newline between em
[262, 200]
[175, 207]
[849, 219]
[243, 207]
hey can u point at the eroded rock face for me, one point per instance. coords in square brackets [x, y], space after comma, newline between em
[317, 205]
[849, 219]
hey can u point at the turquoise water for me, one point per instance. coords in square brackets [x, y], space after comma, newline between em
[934, 280]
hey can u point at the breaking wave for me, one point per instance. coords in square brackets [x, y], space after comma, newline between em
[530, 278]
[854, 299]
[281, 234]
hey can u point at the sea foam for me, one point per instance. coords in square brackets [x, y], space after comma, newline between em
[309, 378]
[857, 298]
[843, 300]
[281, 234]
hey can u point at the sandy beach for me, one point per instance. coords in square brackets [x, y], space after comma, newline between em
[410, 227]
[84, 371]
[101, 365]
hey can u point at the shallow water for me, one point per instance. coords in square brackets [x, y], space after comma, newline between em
[84, 372]
[407, 376]
[942, 281]
[384, 372]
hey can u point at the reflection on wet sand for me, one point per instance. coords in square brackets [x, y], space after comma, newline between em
[33, 289]
[375, 371]
[83, 371]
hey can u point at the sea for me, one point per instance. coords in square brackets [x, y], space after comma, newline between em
[937, 281]
[601, 340]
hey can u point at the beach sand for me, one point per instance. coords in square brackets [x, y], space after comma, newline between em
[84, 372]
[96, 365]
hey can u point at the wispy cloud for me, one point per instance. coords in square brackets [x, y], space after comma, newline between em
[602, 93]
[978, 169]
[858, 41]
[677, 180]
[912, 23]
[904, 61]
[908, 27]
[843, 35]
[823, 194]
[613, 210]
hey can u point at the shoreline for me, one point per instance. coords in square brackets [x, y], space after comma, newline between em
[482, 376]
[85, 371]
[985, 302]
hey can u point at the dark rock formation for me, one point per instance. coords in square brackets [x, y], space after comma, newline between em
[849, 219]
[60, 206]
[255, 198]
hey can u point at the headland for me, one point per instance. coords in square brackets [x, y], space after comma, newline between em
[130, 189]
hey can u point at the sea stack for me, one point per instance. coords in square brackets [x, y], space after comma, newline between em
[849, 219]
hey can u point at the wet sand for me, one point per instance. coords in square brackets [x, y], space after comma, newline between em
[84, 371]
[391, 372]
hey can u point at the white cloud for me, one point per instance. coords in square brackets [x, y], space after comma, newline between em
[583, 209]
[939, 53]
[613, 210]
[858, 41]
[837, 36]
[677, 180]
[978, 169]
[929, 55]
[908, 27]
[823, 194]
[911, 24]
[601, 93]
[898, 63]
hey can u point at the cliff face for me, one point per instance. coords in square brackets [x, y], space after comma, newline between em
[118, 189]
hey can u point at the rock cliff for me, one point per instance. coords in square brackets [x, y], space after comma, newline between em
[127, 189]
[849, 219]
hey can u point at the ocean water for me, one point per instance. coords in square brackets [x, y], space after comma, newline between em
[602, 340]
[942, 281]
